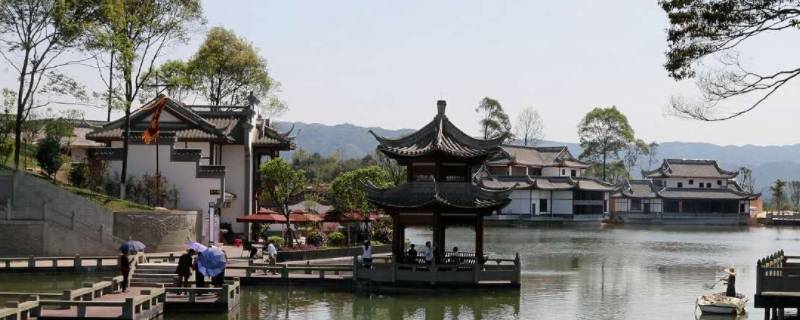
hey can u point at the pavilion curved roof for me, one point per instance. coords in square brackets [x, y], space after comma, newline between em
[441, 137]
[453, 196]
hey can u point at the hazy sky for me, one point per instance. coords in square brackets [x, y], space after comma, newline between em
[385, 63]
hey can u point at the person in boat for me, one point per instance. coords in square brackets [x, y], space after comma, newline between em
[730, 281]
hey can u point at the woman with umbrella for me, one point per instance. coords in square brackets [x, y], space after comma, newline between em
[125, 260]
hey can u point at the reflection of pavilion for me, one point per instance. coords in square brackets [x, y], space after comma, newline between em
[440, 160]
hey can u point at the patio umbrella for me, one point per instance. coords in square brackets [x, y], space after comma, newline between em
[132, 245]
[211, 262]
[266, 216]
[196, 246]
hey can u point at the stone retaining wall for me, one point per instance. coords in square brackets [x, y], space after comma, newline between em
[160, 231]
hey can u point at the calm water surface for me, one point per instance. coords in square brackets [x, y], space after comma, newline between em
[568, 273]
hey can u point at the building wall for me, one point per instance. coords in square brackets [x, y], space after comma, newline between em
[233, 160]
[561, 171]
[673, 182]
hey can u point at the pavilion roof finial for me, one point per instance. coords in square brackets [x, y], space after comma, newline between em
[441, 105]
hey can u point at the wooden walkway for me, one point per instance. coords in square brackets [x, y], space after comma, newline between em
[777, 284]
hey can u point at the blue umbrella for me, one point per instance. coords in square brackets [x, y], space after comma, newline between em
[211, 262]
[132, 245]
[196, 246]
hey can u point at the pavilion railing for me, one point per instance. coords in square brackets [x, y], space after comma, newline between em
[457, 267]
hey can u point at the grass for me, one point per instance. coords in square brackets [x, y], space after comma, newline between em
[110, 203]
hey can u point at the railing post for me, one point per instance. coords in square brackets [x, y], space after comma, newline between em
[127, 309]
[355, 267]
[72, 220]
[322, 274]
[518, 269]
[223, 296]
[55, 262]
[171, 257]
[284, 272]
[31, 262]
[99, 263]
[8, 209]
[248, 272]
[76, 263]
[308, 266]
[192, 296]
[100, 233]
[759, 275]
[393, 265]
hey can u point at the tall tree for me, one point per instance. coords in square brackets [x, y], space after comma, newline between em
[778, 194]
[34, 36]
[745, 180]
[171, 77]
[652, 156]
[794, 194]
[139, 31]
[227, 68]
[604, 133]
[529, 126]
[632, 152]
[280, 184]
[347, 190]
[494, 121]
[702, 29]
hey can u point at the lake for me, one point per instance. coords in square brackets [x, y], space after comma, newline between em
[568, 273]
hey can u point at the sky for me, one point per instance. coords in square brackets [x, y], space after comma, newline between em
[385, 63]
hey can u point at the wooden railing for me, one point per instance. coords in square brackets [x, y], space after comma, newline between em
[230, 291]
[285, 270]
[75, 262]
[778, 273]
[386, 269]
[131, 307]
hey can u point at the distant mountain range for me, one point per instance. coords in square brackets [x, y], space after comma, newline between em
[767, 162]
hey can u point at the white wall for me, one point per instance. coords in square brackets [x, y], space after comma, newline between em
[673, 182]
[233, 160]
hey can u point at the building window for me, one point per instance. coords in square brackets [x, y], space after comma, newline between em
[543, 205]
[691, 181]
[719, 182]
[708, 185]
[680, 184]
[636, 204]
[563, 172]
[573, 173]
[701, 186]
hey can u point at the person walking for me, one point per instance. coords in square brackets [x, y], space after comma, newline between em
[428, 253]
[272, 256]
[184, 269]
[366, 255]
[199, 278]
[124, 269]
[411, 256]
[731, 282]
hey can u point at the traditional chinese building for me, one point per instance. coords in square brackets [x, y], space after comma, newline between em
[549, 185]
[210, 154]
[684, 191]
[439, 193]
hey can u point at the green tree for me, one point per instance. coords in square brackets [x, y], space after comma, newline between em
[48, 151]
[794, 194]
[347, 190]
[227, 68]
[171, 77]
[604, 133]
[139, 31]
[494, 121]
[280, 183]
[703, 29]
[631, 154]
[778, 194]
[34, 37]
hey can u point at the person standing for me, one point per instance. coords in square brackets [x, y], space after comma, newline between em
[184, 269]
[411, 256]
[124, 269]
[272, 255]
[428, 253]
[199, 278]
[219, 279]
[731, 282]
[366, 255]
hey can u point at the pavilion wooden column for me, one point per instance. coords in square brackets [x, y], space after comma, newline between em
[478, 238]
[397, 240]
[438, 236]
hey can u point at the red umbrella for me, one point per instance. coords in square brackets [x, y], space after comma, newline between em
[263, 215]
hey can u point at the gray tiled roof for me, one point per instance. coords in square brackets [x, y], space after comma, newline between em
[452, 195]
[547, 183]
[684, 168]
[438, 136]
[646, 189]
[538, 157]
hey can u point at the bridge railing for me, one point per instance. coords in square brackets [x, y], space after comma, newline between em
[131, 307]
[285, 270]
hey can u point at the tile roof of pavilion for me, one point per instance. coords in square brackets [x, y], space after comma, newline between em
[439, 137]
[546, 183]
[447, 195]
[648, 189]
[537, 157]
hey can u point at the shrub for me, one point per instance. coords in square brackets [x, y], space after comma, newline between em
[48, 154]
[316, 238]
[381, 230]
[277, 239]
[78, 174]
[336, 238]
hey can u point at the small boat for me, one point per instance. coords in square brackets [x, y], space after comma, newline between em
[719, 303]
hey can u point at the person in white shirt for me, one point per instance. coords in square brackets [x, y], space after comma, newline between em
[272, 255]
[428, 252]
[366, 256]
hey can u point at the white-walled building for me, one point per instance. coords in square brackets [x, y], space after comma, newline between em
[204, 151]
[684, 191]
[549, 184]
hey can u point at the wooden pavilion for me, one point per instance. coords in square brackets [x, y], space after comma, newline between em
[440, 160]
